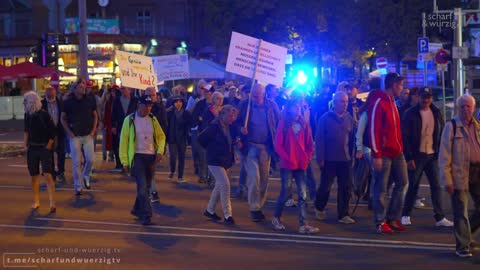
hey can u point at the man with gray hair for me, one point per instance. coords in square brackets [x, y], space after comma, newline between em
[258, 146]
[459, 162]
[334, 145]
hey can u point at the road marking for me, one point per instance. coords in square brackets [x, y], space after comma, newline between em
[296, 241]
[252, 233]
[18, 165]
[67, 189]
[279, 179]
[11, 142]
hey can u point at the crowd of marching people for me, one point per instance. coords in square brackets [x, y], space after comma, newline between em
[377, 149]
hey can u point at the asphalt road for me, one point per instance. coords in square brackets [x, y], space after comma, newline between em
[97, 227]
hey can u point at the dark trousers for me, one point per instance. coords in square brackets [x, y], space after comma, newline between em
[177, 151]
[342, 170]
[466, 227]
[60, 153]
[142, 171]
[116, 148]
[429, 165]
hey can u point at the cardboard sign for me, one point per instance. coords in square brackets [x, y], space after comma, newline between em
[136, 70]
[171, 67]
[242, 58]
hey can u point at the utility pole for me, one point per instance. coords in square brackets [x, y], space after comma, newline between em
[83, 39]
[458, 42]
[57, 29]
[424, 28]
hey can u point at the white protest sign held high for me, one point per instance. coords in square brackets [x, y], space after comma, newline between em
[136, 70]
[242, 57]
[171, 67]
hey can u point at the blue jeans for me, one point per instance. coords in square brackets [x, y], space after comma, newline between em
[257, 166]
[397, 167]
[311, 183]
[429, 165]
[142, 171]
[299, 176]
[342, 170]
[77, 144]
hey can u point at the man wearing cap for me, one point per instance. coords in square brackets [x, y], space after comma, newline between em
[142, 143]
[385, 138]
[421, 129]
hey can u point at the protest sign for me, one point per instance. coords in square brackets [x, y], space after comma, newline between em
[171, 67]
[136, 70]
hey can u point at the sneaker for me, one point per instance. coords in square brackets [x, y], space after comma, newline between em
[181, 180]
[78, 192]
[320, 215]
[61, 178]
[257, 216]
[170, 177]
[201, 180]
[213, 216]
[384, 228]
[397, 225]
[464, 253]
[444, 223]
[86, 182]
[229, 221]
[277, 224]
[406, 221]
[147, 221]
[347, 220]
[154, 198]
[307, 229]
[474, 245]
[418, 203]
[290, 203]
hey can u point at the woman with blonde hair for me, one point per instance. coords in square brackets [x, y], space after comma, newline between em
[38, 142]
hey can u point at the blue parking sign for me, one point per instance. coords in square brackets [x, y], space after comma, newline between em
[422, 45]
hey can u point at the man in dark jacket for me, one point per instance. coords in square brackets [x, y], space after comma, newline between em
[124, 105]
[258, 141]
[421, 129]
[53, 105]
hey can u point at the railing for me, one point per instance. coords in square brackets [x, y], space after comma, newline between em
[11, 108]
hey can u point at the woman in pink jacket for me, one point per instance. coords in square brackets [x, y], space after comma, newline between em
[294, 145]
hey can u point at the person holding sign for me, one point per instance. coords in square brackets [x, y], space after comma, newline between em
[259, 117]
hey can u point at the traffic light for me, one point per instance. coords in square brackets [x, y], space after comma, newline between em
[37, 54]
[50, 55]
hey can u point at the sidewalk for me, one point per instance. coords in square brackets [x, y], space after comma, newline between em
[11, 138]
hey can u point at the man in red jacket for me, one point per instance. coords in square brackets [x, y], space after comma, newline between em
[388, 159]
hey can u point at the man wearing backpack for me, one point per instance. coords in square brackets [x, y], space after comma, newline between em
[421, 129]
[459, 162]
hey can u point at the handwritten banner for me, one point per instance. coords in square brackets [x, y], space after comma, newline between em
[136, 70]
[171, 67]
[242, 57]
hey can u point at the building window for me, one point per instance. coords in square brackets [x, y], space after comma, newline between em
[144, 22]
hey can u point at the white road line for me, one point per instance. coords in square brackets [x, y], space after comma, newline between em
[11, 142]
[331, 238]
[18, 165]
[296, 241]
[279, 179]
[67, 189]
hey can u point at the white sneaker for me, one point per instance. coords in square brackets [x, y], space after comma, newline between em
[444, 223]
[406, 221]
[320, 215]
[418, 204]
[346, 220]
[307, 229]
[181, 181]
[277, 224]
[290, 203]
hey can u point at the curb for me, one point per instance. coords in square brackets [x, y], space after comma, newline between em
[14, 153]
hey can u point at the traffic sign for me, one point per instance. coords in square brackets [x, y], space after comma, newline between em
[442, 67]
[381, 62]
[442, 57]
[422, 45]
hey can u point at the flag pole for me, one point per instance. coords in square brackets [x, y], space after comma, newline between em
[245, 125]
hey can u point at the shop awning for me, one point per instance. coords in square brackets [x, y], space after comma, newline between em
[32, 70]
[201, 69]
[6, 73]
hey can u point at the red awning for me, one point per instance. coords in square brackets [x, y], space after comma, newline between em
[28, 69]
[32, 70]
[6, 73]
